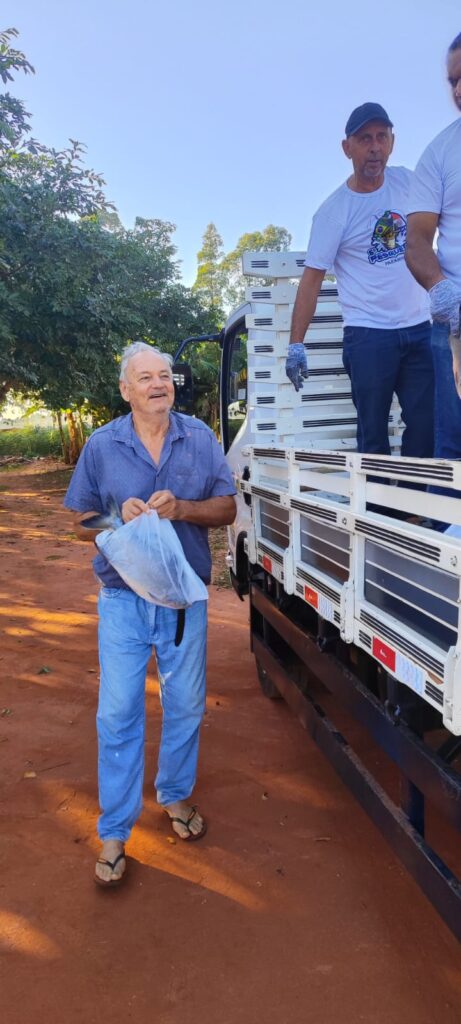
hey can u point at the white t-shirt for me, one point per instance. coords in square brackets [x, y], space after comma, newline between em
[361, 236]
[436, 188]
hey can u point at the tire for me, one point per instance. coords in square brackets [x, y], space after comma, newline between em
[268, 688]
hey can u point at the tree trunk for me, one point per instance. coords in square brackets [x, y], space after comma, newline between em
[80, 428]
[74, 441]
[214, 416]
[64, 445]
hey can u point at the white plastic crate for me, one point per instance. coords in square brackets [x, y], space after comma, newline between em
[322, 414]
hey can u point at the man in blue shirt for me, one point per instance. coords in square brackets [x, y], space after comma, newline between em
[151, 459]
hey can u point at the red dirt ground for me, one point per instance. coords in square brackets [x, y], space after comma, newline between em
[292, 910]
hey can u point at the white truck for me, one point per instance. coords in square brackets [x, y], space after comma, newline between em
[354, 600]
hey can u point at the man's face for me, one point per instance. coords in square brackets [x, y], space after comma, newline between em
[370, 149]
[454, 75]
[149, 386]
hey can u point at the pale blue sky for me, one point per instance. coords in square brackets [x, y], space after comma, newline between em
[232, 113]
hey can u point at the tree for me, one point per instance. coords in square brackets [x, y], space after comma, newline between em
[76, 293]
[14, 124]
[209, 281]
[75, 285]
[272, 239]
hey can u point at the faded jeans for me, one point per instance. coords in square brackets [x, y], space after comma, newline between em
[129, 628]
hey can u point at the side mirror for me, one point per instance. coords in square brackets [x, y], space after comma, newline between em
[184, 388]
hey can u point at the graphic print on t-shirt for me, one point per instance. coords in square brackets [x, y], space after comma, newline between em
[388, 238]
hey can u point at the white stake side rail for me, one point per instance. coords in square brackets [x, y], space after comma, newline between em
[390, 587]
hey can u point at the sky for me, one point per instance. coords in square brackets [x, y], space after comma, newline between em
[230, 113]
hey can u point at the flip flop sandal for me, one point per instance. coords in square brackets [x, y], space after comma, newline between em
[192, 836]
[110, 883]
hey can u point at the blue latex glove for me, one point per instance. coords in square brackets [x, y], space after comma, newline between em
[296, 365]
[445, 304]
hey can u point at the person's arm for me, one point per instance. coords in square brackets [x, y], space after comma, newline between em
[324, 241]
[304, 309]
[422, 261]
[82, 532]
[219, 511]
[131, 508]
[425, 208]
[305, 303]
[420, 257]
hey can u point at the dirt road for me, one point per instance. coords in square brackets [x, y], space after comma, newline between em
[292, 910]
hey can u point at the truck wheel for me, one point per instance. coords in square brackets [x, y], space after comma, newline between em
[268, 688]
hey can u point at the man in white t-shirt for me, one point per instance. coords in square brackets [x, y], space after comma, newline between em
[359, 232]
[435, 203]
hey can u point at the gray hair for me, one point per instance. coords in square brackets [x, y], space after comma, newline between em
[134, 349]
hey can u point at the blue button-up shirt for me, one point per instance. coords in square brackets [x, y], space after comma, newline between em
[114, 462]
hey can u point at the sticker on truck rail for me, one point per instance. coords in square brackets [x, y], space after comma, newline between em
[321, 603]
[405, 670]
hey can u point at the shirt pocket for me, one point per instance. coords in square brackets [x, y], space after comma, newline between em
[186, 484]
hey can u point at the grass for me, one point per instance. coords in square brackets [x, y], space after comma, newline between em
[29, 442]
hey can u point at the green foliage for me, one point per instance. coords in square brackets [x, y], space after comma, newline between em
[11, 59]
[30, 442]
[271, 239]
[14, 124]
[205, 362]
[209, 283]
[219, 280]
[75, 285]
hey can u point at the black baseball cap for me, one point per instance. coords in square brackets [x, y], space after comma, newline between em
[367, 112]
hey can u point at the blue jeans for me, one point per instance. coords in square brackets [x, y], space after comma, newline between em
[128, 629]
[379, 363]
[447, 407]
[447, 402]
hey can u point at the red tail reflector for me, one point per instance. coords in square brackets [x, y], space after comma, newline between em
[384, 653]
[311, 596]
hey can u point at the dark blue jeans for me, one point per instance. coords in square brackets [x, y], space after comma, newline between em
[447, 403]
[447, 406]
[379, 363]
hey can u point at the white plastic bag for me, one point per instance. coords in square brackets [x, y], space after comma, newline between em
[148, 555]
